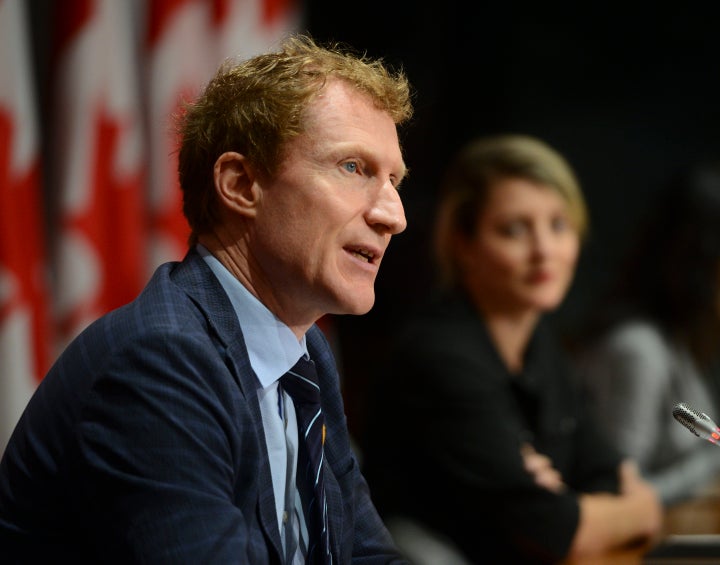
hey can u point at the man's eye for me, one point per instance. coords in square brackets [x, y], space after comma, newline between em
[351, 166]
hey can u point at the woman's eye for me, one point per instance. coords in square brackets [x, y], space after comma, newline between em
[560, 224]
[513, 229]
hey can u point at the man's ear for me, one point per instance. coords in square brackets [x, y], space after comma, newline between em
[235, 184]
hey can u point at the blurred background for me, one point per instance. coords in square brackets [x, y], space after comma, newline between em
[88, 197]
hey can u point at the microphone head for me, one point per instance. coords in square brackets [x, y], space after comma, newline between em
[698, 423]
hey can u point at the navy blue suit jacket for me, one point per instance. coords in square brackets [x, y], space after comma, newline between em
[144, 444]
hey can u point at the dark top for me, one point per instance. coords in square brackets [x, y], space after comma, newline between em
[144, 444]
[444, 427]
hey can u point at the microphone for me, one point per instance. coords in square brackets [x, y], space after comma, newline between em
[698, 423]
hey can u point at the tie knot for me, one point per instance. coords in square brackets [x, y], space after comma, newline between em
[301, 382]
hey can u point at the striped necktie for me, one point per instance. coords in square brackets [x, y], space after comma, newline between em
[301, 383]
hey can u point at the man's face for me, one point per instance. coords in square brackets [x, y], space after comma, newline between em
[325, 219]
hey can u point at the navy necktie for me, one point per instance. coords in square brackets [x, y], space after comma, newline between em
[301, 383]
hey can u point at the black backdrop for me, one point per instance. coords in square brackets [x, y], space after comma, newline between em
[626, 96]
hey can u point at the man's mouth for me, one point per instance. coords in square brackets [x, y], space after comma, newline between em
[363, 254]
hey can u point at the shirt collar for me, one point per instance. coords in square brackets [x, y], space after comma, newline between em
[272, 346]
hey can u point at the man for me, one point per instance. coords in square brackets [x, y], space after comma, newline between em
[162, 434]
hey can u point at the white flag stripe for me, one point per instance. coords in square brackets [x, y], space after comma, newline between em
[18, 345]
[17, 366]
[98, 159]
[244, 32]
[16, 92]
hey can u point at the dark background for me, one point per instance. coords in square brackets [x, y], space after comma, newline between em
[627, 96]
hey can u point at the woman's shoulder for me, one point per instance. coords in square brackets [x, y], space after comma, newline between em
[634, 349]
[639, 334]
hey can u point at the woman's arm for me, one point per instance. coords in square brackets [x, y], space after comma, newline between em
[608, 521]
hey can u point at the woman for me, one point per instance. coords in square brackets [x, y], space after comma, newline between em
[654, 339]
[477, 433]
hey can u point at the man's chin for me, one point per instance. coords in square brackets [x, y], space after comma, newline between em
[357, 306]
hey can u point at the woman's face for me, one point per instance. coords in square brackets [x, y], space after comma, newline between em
[523, 255]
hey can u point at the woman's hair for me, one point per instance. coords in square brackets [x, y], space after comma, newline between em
[254, 107]
[480, 164]
[671, 275]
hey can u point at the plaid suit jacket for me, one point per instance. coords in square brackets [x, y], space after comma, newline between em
[144, 444]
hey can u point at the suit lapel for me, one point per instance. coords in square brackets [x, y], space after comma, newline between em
[237, 356]
[199, 282]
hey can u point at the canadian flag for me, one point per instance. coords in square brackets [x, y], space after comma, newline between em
[119, 71]
[97, 163]
[24, 323]
[186, 41]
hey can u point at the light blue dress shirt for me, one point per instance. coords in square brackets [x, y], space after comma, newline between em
[273, 349]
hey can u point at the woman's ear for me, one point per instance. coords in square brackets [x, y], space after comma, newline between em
[235, 185]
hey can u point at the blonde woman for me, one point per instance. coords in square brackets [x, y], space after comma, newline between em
[477, 433]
